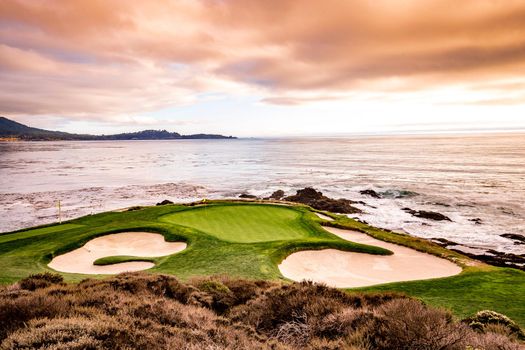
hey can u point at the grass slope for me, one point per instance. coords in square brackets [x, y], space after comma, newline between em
[209, 252]
[498, 289]
[249, 241]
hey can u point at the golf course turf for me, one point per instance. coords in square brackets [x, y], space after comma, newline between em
[245, 223]
[249, 240]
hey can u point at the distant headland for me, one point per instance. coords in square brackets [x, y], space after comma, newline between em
[14, 131]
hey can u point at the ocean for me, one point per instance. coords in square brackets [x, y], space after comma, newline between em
[465, 177]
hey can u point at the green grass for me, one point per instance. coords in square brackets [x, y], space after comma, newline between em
[249, 240]
[244, 223]
[498, 289]
[16, 236]
[110, 260]
[212, 247]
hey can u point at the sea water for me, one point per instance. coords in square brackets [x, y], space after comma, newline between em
[465, 177]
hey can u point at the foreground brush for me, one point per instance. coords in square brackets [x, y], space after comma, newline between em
[145, 311]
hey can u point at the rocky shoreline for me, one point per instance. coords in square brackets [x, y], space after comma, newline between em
[317, 200]
[490, 256]
[314, 199]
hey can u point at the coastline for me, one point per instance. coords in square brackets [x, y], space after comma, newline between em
[485, 212]
[211, 252]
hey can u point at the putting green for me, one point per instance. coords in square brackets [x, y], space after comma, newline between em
[243, 223]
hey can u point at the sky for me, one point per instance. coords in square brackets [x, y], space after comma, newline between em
[264, 68]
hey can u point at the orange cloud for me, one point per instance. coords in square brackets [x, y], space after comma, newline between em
[107, 58]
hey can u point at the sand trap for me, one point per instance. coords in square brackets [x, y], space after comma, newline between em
[347, 269]
[140, 244]
[324, 217]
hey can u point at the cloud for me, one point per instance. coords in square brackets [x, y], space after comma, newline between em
[103, 60]
[348, 45]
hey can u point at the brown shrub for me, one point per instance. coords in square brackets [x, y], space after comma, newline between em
[343, 323]
[491, 341]
[64, 333]
[222, 293]
[143, 311]
[409, 324]
[282, 304]
[16, 311]
[487, 320]
[40, 280]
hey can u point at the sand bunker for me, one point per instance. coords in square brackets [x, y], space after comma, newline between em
[140, 244]
[324, 217]
[342, 269]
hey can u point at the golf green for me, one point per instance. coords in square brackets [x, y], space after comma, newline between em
[243, 223]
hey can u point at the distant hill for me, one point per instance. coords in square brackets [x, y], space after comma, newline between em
[9, 129]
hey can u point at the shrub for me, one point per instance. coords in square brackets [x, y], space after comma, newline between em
[16, 311]
[409, 324]
[40, 280]
[343, 323]
[145, 311]
[483, 321]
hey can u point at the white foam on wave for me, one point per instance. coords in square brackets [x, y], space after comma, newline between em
[387, 213]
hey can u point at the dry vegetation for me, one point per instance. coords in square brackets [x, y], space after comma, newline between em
[143, 311]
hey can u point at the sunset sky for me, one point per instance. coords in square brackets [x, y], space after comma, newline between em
[264, 68]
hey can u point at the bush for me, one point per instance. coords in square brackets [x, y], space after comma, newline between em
[17, 310]
[409, 324]
[40, 280]
[145, 311]
[484, 321]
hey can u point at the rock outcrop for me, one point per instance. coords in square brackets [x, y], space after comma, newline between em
[518, 239]
[370, 193]
[427, 214]
[490, 256]
[317, 200]
[279, 194]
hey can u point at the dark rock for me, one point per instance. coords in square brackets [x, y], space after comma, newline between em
[432, 215]
[426, 214]
[466, 205]
[443, 242]
[496, 258]
[507, 211]
[388, 193]
[134, 208]
[165, 202]
[518, 239]
[370, 192]
[477, 221]
[317, 200]
[247, 196]
[397, 194]
[305, 195]
[277, 195]
[491, 256]
[440, 204]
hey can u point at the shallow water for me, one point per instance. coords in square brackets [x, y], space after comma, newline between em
[463, 177]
